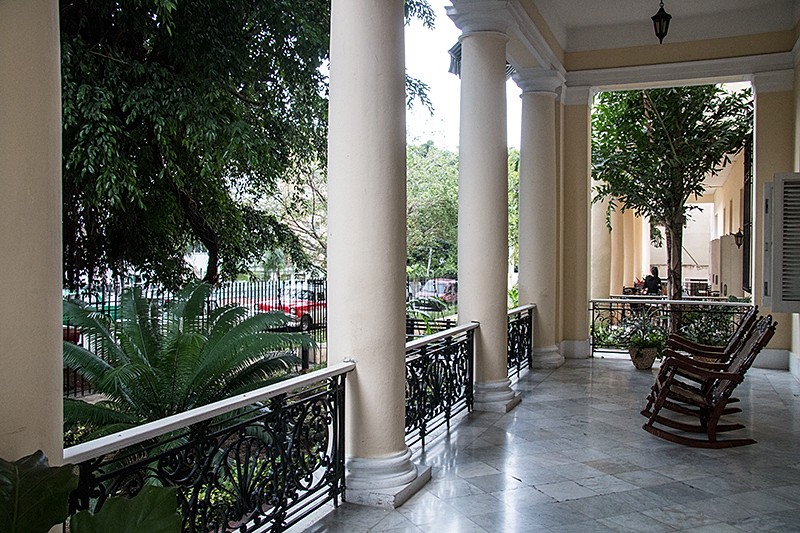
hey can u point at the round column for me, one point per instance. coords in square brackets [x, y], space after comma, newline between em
[601, 252]
[31, 386]
[483, 213]
[538, 210]
[617, 252]
[367, 239]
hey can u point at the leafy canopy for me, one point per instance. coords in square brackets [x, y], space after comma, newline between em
[432, 210]
[178, 116]
[152, 362]
[652, 149]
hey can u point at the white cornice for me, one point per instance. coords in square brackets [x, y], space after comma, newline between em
[690, 72]
[532, 38]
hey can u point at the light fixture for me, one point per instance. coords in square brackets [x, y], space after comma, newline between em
[661, 23]
[738, 237]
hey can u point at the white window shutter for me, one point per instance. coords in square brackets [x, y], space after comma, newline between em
[786, 243]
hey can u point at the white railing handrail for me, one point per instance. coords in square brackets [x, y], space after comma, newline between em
[658, 301]
[123, 439]
[521, 308]
[416, 343]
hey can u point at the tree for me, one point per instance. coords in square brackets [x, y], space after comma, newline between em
[432, 211]
[154, 362]
[652, 149]
[171, 134]
[179, 118]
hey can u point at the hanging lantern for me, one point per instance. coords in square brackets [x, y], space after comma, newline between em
[661, 23]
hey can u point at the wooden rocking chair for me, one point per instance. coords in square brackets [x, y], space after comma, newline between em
[719, 354]
[707, 401]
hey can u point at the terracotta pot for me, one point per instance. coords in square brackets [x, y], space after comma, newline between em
[643, 358]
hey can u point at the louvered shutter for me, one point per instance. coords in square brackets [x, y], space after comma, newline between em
[786, 243]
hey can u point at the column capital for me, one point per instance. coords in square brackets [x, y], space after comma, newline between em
[539, 80]
[472, 16]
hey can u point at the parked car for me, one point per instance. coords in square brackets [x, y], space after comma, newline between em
[436, 294]
[304, 307]
[442, 288]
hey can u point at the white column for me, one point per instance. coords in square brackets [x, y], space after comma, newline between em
[601, 252]
[31, 385]
[538, 210]
[367, 243]
[483, 203]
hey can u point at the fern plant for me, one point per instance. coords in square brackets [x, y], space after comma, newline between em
[152, 362]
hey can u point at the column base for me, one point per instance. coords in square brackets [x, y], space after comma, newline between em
[548, 357]
[576, 349]
[495, 396]
[387, 482]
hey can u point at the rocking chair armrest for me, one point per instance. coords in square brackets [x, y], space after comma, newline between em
[690, 366]
[708, 365]
[704, 350]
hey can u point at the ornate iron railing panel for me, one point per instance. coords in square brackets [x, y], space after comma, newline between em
[520, 339]
[439, 377]
[264, 466]
[614, 321]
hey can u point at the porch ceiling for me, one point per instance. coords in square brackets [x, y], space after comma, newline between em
[579, 25]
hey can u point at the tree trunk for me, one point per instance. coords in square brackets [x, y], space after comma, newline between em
[674, 231]
[674, 260]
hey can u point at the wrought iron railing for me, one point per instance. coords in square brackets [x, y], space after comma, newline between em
[439, 377]
[615, 321]
[520, 339]
[264, 459]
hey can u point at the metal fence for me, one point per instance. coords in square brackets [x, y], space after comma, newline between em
[303, 301]
[263, 460]
[520, 339]
[615, 321]
[439, 378]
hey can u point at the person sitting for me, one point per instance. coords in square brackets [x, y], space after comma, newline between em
[652, 283]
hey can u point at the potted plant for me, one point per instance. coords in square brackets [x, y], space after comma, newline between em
[644, 348]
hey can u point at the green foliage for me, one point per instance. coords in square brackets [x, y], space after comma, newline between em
[652, 149]
[513, 297]
[513, 204]
[178, 117]
[432, 211]
[154, 362]
[642, 328]
[154, 510]
[34, 496]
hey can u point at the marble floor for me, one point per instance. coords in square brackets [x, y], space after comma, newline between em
[572, 457]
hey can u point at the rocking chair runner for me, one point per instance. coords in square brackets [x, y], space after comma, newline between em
[707, 402]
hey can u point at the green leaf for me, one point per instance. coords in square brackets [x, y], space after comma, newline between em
[33, 495]
[153, 510]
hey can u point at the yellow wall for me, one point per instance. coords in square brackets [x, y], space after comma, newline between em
[774, 152]
[575, 232]
[730, 194]
[746, 45]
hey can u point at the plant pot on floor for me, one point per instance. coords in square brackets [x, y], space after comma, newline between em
[643, 358]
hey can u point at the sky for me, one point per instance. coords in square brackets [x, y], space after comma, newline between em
[427, 60]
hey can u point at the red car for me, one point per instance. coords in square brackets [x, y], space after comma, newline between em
[303, 307]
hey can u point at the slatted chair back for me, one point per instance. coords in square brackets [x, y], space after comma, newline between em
[741, 331]
[741, 361]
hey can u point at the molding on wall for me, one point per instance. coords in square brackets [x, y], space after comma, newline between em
[689, 72]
